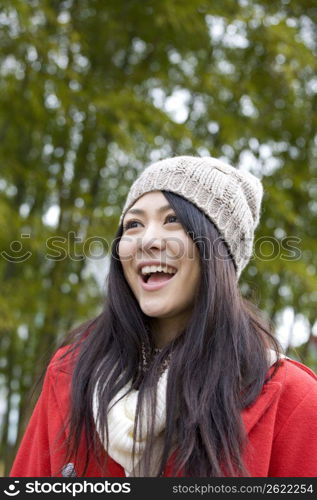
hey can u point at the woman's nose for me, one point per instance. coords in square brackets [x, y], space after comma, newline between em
[152, 237]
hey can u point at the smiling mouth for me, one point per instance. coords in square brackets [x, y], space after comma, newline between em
[157, 277]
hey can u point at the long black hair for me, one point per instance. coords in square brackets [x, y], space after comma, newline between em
[218, 363]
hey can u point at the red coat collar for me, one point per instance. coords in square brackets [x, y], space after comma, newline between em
[253, 413]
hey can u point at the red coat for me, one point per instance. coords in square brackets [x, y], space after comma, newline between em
[281, 427]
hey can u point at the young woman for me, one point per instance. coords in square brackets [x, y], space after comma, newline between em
[179, 375]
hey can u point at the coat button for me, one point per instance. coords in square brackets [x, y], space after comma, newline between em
[69, 470]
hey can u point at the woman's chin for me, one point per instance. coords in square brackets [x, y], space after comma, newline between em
[155, 310]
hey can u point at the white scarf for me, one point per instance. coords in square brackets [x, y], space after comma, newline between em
[121, 424]
[121, 418]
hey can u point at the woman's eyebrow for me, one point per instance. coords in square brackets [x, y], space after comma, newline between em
[164, 208]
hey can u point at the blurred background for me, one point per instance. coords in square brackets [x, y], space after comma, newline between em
[91, 91]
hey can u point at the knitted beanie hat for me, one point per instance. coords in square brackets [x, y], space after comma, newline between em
[229, 197]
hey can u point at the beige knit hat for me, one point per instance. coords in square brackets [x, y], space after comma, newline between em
[229, 197]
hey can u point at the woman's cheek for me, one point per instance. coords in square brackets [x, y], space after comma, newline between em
[126, 249]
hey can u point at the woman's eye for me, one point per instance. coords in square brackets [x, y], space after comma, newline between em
[129, 225]
[172, 217]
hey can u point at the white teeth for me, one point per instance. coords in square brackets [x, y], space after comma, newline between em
[154, 269]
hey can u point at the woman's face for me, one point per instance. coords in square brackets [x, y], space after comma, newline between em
[153, 235]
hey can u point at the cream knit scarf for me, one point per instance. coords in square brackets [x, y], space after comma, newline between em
[121, 423]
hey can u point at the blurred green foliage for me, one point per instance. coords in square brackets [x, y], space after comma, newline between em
[90, 92]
